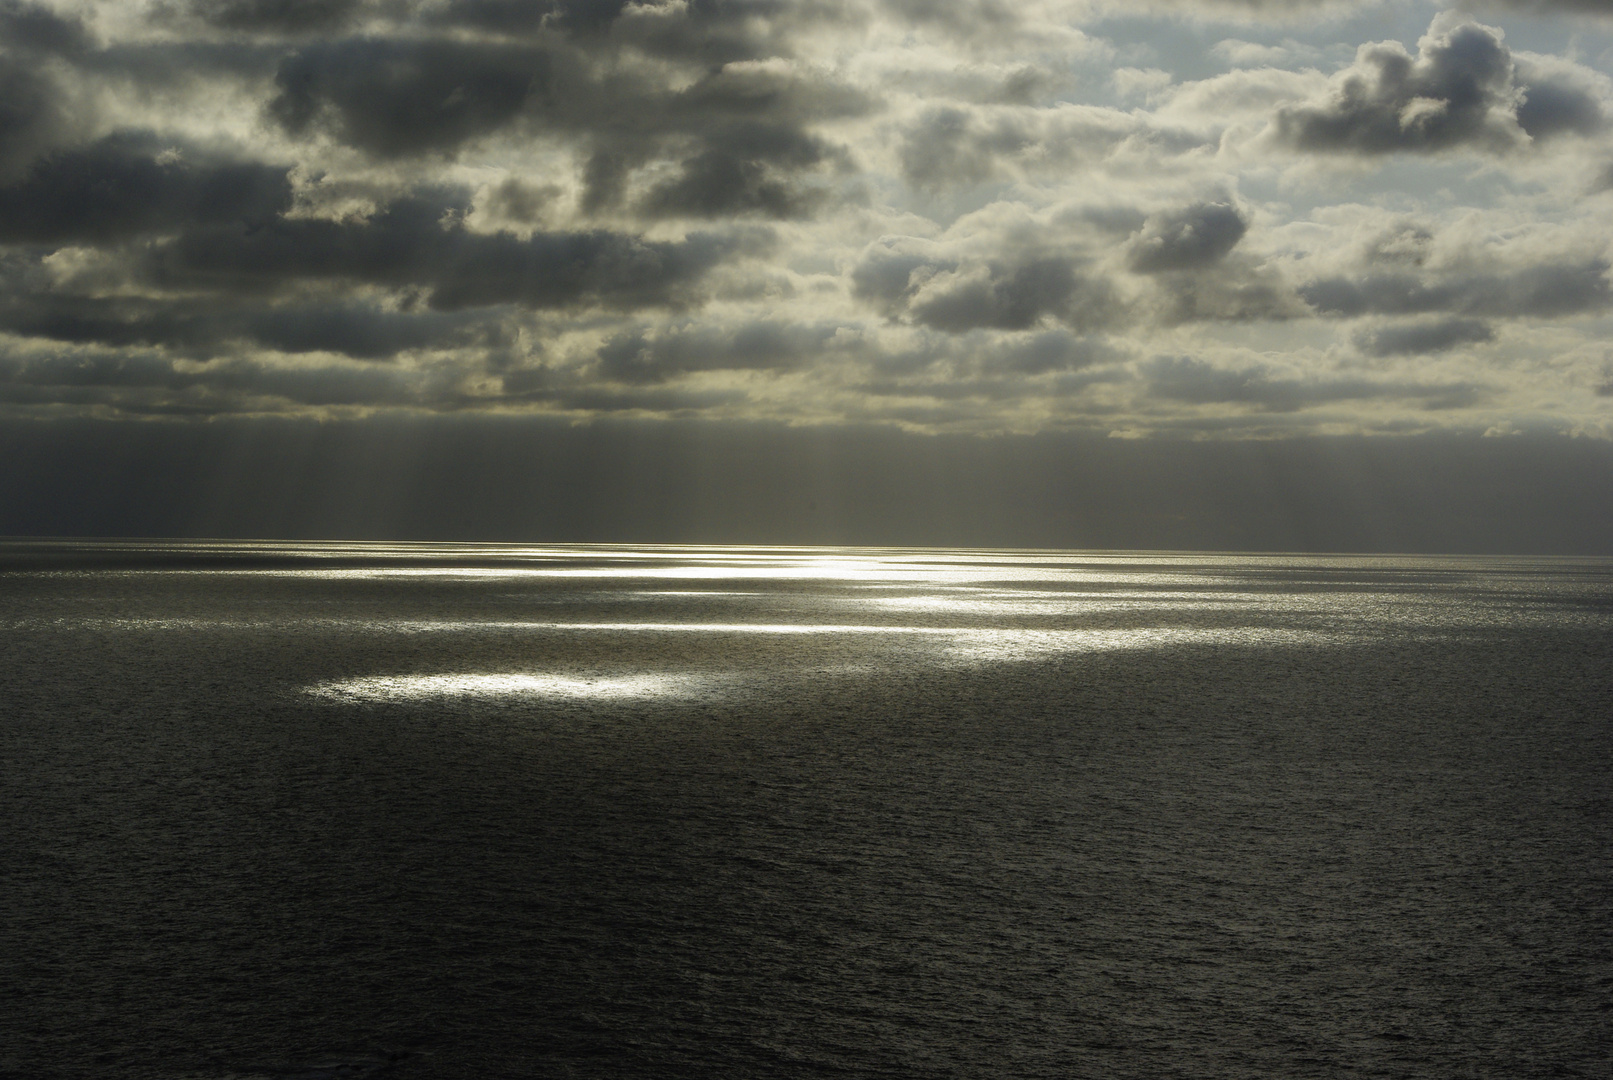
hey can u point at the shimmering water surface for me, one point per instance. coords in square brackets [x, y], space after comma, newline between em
[425, 811]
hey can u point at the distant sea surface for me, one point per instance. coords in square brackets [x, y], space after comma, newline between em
[342, 810]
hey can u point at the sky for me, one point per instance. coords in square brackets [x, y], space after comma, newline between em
[1175, 223]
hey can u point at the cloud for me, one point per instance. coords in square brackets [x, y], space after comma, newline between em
[1559, 99]
[1005, 297]
[128, 184]
[208, 328]
[1457, 91]
[513, 200]
[747, 169]
[1542, 291]
[808, 211]
[644, 356]
[143, 383]
[282, 16]
[400, 98]
[1227, 294]
[959, 17]
[1050, 351]
[1192, 238]
[685, 138]
[31, 115]
[1195, 382]
[34, 112]
[1140, 82]
[1419, 338]
[1547, 7]
[414, 242]
[36, 29]
[892, 271]
[96, 320]
[954, 145]
[518, 17]
[957, 294]
[362, 332]
[1239, 53]
[708, 32]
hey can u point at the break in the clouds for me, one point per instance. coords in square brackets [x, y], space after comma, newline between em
[1222, 217]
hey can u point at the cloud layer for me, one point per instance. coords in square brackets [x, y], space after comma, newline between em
[1218, 218]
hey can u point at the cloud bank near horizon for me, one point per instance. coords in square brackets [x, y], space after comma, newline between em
[1198, 217]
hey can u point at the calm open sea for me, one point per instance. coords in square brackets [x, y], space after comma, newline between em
[339, 810]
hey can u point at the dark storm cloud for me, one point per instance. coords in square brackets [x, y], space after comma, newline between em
[396, 97]
[642, 357]
[401, 98]
[415, 242]
[203, 329]
[527, 17]
[31, 116]
[32, 113]
[717, 184]
[113, 322]
[282, 16]
[1417, 338]
[741, 137]
[126, 184]
[1537, 291]
[754, 93]
[30, 28]
[746, 169]
[1458, 91]
[1187, 239]
[105, 371]
[1198, 383]
[366, 333]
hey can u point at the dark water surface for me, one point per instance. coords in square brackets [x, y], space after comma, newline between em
[346, 810]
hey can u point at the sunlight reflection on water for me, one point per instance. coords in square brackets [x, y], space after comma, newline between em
[953, 646]
[468, 685]
[999, 646]
[1327, 811]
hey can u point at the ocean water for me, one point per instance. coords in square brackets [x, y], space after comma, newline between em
[344, 810]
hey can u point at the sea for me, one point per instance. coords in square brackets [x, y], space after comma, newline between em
[274, 811]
